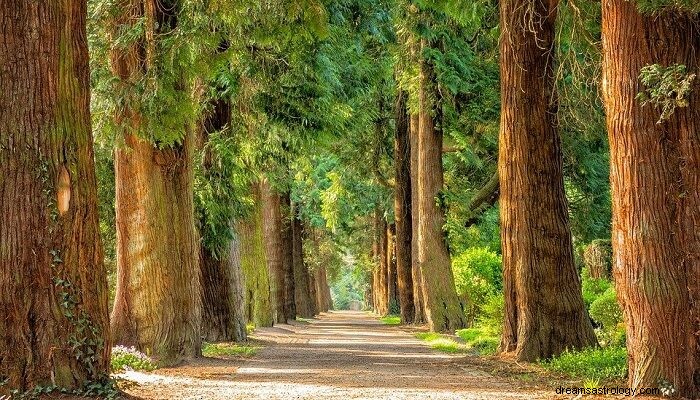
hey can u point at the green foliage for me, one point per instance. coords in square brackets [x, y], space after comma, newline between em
[605, 310]
[667, 88]
[603, 364]
[391, 320]
[592, 288]
[477, 273]
[128, 358]
[226, 350]
[655, 6]
[442, 343]
[481, 339]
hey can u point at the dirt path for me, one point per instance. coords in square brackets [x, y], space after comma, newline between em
[340, 355]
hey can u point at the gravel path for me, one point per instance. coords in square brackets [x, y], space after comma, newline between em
[340, 355]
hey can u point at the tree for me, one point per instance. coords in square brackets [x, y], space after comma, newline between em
[655, 165]
[544, 312]
[272, 223]
[290, 308]
[53, 287]
[305, 303]
[443, 311]
[418, 303]
[157, 306]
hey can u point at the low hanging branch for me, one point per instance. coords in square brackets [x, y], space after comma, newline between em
[486, 196]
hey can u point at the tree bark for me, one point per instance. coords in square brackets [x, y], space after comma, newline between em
[544, 312]
[392, 276]
[418, 302]
[443, 311]
[157, 305]
[256, 277]
[655, 175]
[272, 221]
[302, 288]
[383, 274]
[290, 309]
[402, 210]
[53, 287]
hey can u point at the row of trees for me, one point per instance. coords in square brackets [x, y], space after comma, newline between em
[649, 59]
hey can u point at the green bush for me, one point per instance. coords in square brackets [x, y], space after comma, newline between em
[485, 336]
[128, 358]
[592, 288]
[603, 364]
[605, 310]
[480, 339]
[477, 273]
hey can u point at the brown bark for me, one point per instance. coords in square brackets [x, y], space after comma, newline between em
[223, 315]
[272, 220]
[53, 286]
[544, 312]
[418, 302]
[392, 276]
[443, 311]
[157, 305]
[402, 210]
[655, 175]
[302, 288]
[290, 309]
[382, 294]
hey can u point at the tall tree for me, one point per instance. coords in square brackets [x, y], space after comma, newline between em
[157, 306]
[290, 308]
[418, 301]
[655, 175]
[53, 287]
[443, 311]
[305, 303]
[272, 221]
[544, 312]
[402, 209]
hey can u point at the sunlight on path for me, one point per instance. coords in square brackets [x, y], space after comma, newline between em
[340, 355]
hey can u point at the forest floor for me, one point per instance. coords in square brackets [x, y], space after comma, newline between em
[341, 355]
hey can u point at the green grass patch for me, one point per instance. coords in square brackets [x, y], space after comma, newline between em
[391, 320]
[480, 339]
[592, 364]
[229, 350]
[249, 328]
[442, 343]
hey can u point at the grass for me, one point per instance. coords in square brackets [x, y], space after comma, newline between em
[442, 343]
[391, 320]
[479, 339]
[592, 364]
[229, 350]
[249, 328]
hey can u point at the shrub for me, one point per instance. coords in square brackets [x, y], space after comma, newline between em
[606, 311]
[477, 273]
[604, 364]
[592, 288]
[480, 339]
[128, 358]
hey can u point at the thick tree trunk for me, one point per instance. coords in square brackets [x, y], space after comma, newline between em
[53, 287]
[223, 313]
[655, 176]
[392, 277]
[290, 309]
[302, 288]
[402, 210]
[418, 302]
[272, 221]
[443, 311]
[256, 276]
[383, 274]
[544, 307]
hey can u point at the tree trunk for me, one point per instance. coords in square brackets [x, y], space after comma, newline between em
[290, 309]
[544, 307]
[402, 210]
[272, 221]
[383, 276]
[223, 314]
[655, 175]
[443, 310]
[418, 302]
[392, 277]
[254, 264]
[302, 293]
[53, 287]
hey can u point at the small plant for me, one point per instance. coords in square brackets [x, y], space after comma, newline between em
[480, 339]
[249, 328]
[602, 364]
[391, 320]
[229, 350]
[129, 359]
[442, 343]
[667, 88]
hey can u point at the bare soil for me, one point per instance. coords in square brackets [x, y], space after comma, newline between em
[340, 355]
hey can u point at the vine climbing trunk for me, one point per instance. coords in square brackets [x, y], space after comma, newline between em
[402, 210]
[256, 276]
[272, 221]
[157, 304]
[655, 176]
[418, 302]
[544, 310]
[290, 309]
[53, 286]
[443, 311]
[305, 304]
